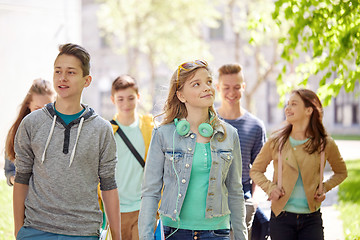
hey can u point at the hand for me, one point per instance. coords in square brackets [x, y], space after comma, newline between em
[255, 203]
[276, 194]
[319, 196]
[12, 180]
[252, 202]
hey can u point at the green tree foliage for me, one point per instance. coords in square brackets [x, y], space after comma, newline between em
[256, 41]
[324, 36]
[165, 32]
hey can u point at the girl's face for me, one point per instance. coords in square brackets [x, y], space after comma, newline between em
[38, 101]
[198, 91]
[295, 110]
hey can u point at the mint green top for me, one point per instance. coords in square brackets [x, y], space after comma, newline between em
[297, 202]
[129, 173]
[192, 215]
[69, 118]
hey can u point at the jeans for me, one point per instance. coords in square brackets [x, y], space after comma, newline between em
[258, 222]
[183, 234]
[289, 225]
[260, 226]
[28, 233]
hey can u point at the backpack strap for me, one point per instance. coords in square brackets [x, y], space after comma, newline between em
[129, 144]
[322, 163]
[279, 182]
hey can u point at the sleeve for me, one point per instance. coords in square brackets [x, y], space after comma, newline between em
[24, 156]
[259, 142]
[151, 187]
[337, 165]
[236, 199]
[258, 169]
[107, 161]
[9, 169]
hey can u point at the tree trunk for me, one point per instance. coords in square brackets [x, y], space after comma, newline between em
[260, 78]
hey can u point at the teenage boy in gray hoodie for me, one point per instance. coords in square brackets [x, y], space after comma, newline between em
[62, 152]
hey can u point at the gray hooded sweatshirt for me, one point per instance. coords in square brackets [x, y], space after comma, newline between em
[63, 164]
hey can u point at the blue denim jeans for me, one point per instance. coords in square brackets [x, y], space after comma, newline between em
[183, 234]
[28, 233]
[289, 225]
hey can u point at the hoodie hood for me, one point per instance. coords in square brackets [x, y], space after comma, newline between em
[87, 115]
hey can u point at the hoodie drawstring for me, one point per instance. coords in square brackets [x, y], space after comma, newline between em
[49, 138]
[50, 135]
[77, 137]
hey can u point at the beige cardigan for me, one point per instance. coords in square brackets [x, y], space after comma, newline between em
[294, 159]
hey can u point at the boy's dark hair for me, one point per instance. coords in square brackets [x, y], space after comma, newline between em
[78, 52]
[124, 82]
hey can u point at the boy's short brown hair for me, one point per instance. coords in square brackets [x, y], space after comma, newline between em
[124, 82]
[78, 52]
[233, 68]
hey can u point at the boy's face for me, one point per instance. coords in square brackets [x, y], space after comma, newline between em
[125, 101]
[68, 77]
[231, 88]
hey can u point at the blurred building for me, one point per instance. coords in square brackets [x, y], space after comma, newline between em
[341, 117]
[31, 31]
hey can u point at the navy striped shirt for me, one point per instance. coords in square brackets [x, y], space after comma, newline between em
[252, 135]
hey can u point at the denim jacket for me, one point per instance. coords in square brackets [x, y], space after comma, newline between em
[169, 150]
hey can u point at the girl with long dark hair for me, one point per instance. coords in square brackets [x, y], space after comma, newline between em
[299, 151]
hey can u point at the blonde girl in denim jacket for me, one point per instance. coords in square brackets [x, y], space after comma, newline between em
[194, 165]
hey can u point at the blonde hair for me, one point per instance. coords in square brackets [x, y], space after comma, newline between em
[174, 108]
[230, 69]
[233, 68]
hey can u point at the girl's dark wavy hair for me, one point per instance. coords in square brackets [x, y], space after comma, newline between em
[315, 130]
